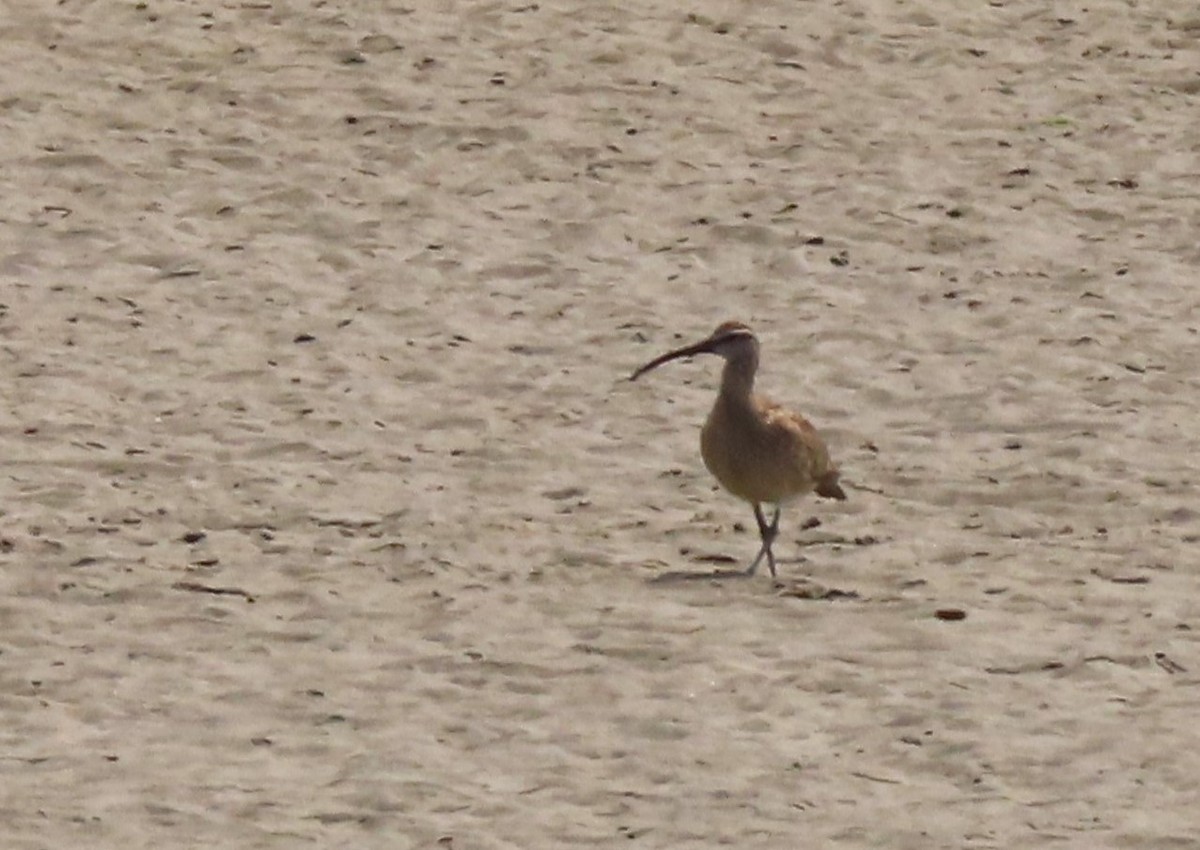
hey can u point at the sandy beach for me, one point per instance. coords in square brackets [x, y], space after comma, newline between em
[330, 519]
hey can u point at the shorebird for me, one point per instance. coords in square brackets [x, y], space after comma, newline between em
[757, 450]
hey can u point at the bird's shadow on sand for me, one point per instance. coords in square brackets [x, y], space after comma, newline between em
[676, 576]
[801, 588]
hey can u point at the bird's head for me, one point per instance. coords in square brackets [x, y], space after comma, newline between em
[731, 341]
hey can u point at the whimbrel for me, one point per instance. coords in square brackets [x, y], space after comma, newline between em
[757, 450]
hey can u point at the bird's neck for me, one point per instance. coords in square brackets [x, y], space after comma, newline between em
[737, 379]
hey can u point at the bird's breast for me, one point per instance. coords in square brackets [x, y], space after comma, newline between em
[760, 453]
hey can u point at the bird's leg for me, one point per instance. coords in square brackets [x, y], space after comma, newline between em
[767, 533]
[772, 533]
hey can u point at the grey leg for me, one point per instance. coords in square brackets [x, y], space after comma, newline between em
[767, 533]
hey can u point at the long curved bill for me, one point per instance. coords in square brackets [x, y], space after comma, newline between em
[701, 347]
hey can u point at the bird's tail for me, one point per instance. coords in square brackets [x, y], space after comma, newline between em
[829, 487]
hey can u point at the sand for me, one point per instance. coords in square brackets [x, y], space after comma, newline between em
[330, 521]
